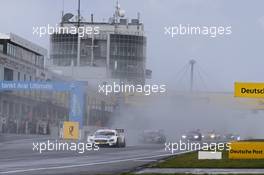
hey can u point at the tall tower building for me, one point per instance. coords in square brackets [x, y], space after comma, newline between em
[107, 51]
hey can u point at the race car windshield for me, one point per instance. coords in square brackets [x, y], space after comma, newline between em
[105, 133]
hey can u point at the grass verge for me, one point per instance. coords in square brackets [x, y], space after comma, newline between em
[190, 160]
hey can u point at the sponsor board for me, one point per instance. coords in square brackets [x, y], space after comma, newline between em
[76, 88]
[209, 155]
[249, 90]
[71, 130]
[246, 150]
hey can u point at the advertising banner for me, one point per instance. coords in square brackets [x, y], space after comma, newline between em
[246, 150]
[249, 90]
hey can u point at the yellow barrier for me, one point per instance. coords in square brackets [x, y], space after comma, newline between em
[249, 90]
[246, 150]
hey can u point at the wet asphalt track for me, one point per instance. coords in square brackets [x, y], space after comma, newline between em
[17, 157]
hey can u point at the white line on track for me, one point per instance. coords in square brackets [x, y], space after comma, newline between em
[146, 160]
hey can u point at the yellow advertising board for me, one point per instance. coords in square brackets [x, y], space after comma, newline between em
[246, 150]
[71, 130]
[249, 90]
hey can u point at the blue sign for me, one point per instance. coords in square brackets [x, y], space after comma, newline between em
[77, 102]
[76, 88]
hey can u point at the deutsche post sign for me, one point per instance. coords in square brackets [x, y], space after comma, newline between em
[246, 150]
[249, 90]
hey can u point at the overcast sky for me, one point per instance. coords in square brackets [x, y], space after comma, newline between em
[221, 61]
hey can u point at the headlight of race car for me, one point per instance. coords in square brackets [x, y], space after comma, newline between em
[212, 136]
[112, 139]
[90, 139]
[196, 136]
[184, 136]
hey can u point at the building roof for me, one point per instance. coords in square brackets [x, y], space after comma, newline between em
[24, 43]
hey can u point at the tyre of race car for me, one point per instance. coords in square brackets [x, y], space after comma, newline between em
[118, 143]
[124, 144]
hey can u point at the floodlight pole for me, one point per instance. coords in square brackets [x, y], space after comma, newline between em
[192, 62]
[79, 39]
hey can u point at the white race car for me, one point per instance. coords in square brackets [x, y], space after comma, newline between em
[108, 137]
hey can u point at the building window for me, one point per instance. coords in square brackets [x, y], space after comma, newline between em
[11, 109]
[8, 74]
[5, 106]
[1, 48]
[18, 76]
[17, 111]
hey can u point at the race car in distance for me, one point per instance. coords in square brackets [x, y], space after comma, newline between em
[192, 136]
[212, 135]
[230, 137]
[153, 136]
[108, 137]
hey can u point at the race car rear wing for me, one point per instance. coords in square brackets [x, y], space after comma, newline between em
[120, 131]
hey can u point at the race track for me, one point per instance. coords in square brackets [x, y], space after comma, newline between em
[17, 157]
